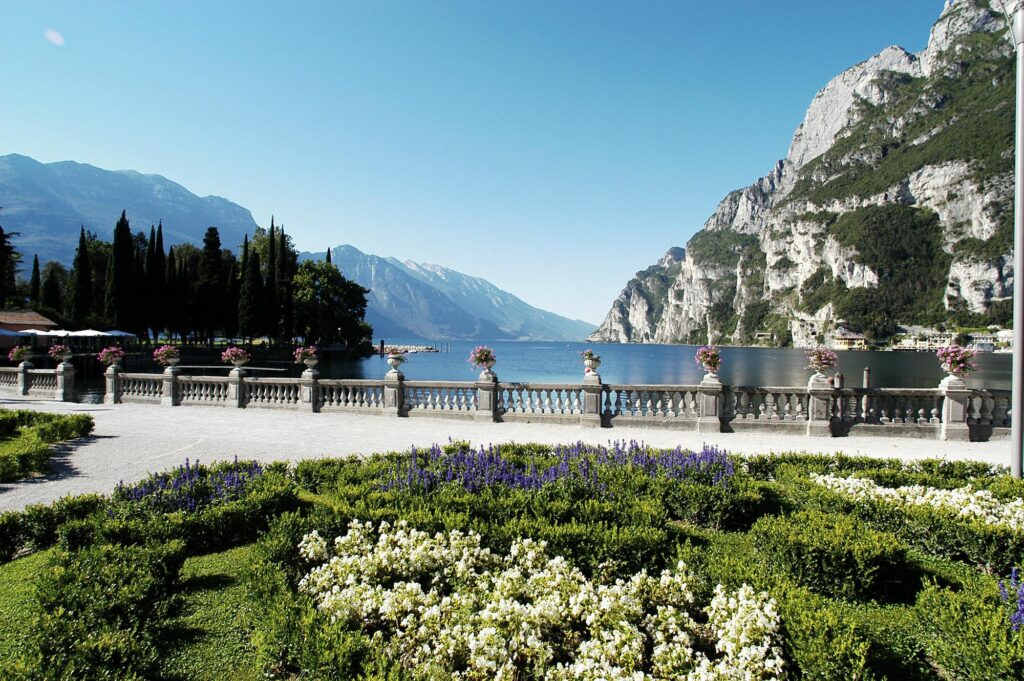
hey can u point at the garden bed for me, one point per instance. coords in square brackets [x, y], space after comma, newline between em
[27, 439]
[527, 562]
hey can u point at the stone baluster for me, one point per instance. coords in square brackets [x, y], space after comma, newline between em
[65, 382]
[487, 397]
[23, 377]
[309, 393]
[819, 416]
[236, 387]
[954, 409]
[592, 392]
[112, 379]
[171, 396]
[394, 392]
[710, 405]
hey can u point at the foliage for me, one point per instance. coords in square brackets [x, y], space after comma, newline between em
[709, 357]
[165, 353]
[956, 360]
[59, 351]
[190, 487]
[19, 353]
[235, 355]
[303, 353]
[29, 437]
[834, 555]
[821, 359]
[481, 355]
[110, 355]
[328, 307]
[589, 354]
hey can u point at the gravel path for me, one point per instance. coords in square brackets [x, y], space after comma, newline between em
[131, 441]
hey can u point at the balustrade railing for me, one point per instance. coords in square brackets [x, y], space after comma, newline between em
[9, 377]
[342, 394]
[539, 399]
[652, 402]
[202, 390]
[271, 392]
[140, 388]
[451, 397]
[949, 412]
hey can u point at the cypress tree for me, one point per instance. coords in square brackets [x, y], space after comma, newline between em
[328, 256]
[171, 299]
[249, 297]
[121, 271]
[52, 297]
[272, 311]
[81, 297]
[210, 285]
[284, 289]
[158, 283]
[34, 284]
[9, 259]
[229, 314]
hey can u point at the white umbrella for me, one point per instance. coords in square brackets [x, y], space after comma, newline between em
[121, 334]
[87, 333]
[37, 332]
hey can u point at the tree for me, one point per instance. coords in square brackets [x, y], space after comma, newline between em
[55, 278]
[119, 294]
[272, 310]
[328, 307]
[80, 305]
[250, 295]
[34, 284]
[210, 285]
[9, 261]
[328, 255]
[156, 275]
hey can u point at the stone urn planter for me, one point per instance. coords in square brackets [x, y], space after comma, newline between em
[311, 362]
[592, 364]
[239, 363]
[395, 361]
[172, 361]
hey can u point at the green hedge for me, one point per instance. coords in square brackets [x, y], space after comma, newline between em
[835, 555]
[26, 436]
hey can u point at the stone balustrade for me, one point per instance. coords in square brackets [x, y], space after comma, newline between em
[950, 412]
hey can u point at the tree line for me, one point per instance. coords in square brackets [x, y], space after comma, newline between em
[195, 294]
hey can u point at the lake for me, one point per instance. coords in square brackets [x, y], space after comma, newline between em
[547, 362]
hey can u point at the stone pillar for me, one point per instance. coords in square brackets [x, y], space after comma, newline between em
[394, 393]
[65, 382]
[710, 407]
[819, 413]
[954, 409]
[171, 396]
[593, 389]
[236, 387]
[309, 398]
[486, 397]
[113, 384]
[23, 379]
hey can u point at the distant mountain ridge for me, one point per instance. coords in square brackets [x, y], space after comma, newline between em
[409, 299]
[48, 203]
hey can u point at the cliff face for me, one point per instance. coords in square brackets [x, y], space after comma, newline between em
[893, 205]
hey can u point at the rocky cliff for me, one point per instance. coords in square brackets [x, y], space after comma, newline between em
[893, 206]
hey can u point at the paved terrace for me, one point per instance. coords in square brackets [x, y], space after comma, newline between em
[132, 440]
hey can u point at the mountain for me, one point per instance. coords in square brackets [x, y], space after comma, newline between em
[48, 203]
[892, 206]
[429, 301]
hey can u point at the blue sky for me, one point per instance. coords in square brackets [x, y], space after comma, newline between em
[552, 147]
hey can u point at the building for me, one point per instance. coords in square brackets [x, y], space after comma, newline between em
[844, 339]
[20, 320]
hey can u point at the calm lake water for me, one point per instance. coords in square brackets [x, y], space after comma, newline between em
[544, 362]
[632, 363]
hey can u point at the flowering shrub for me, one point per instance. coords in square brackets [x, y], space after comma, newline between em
[476, 469]
[235, 355]
[445, 607]
[481, 355]
[191, 487]
[964, 501]
[709, 357]
[821, 359]
[59, 350]
[110, 355]
[304, 353]
[1015, 597]
[956, 360]
[19, 353]
[165, 353]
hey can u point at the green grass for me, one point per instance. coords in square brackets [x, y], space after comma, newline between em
[16, 604]
[211, 639]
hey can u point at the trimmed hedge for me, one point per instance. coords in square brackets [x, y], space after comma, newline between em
[835, 555]
[27, 436]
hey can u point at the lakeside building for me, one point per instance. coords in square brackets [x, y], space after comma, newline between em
[23, 320]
